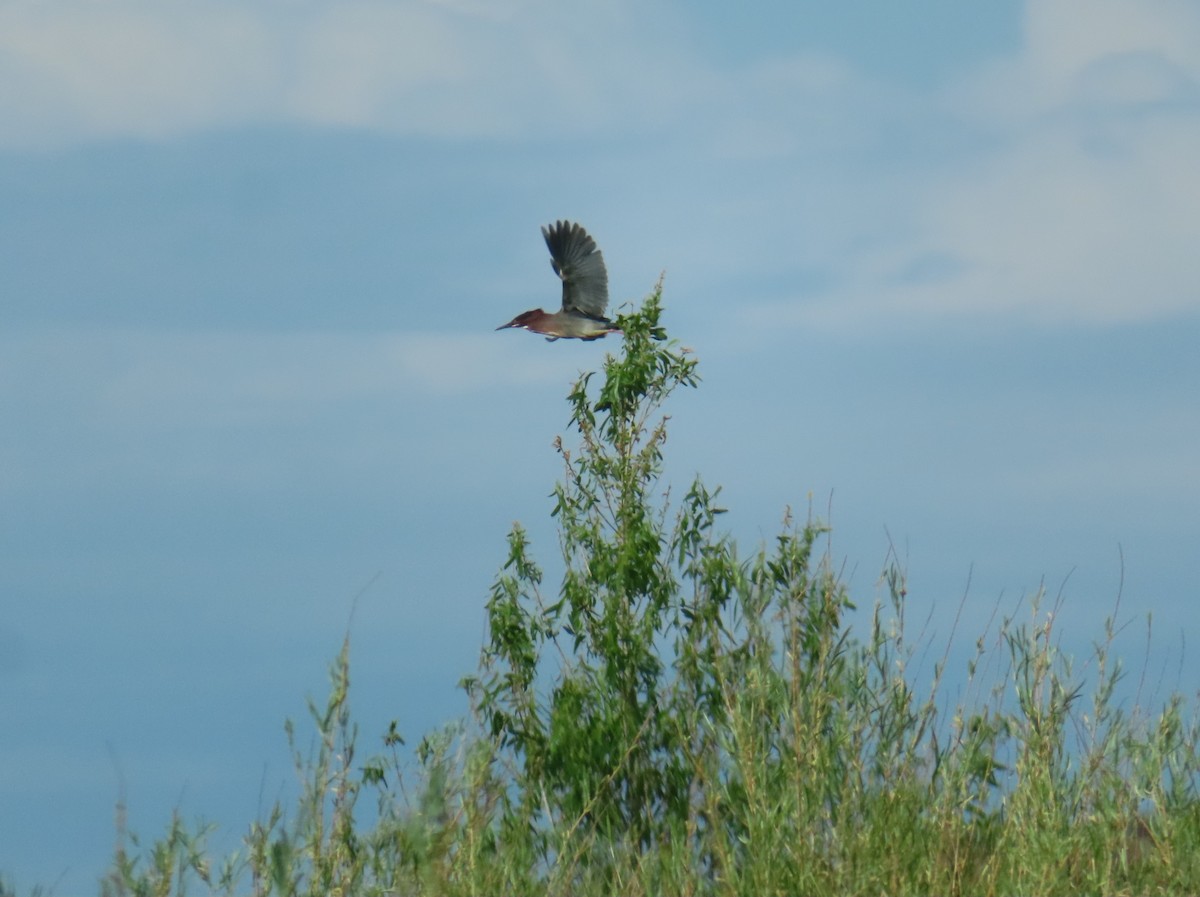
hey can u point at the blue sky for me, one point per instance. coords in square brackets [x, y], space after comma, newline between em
[938, 262]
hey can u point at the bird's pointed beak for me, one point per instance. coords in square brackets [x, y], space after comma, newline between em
[505, 326]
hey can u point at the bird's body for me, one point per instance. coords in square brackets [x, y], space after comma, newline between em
[580, 265]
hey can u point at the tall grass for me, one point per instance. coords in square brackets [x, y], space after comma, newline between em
[676, 718]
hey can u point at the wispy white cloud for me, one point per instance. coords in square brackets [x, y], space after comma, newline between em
[78, 71]
[1110, 51]
[82, 70]
[222, 377]
[122, 406]
[1071, 199]
[1077, 203]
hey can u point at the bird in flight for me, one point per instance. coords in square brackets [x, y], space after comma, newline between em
[579, 264]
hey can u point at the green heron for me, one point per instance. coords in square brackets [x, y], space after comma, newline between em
[578, 262]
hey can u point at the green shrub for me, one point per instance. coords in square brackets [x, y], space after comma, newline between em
[676, 718]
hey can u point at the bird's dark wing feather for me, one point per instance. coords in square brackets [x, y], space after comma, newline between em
[575, 259]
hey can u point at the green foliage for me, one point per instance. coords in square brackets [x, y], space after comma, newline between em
[603, 746]
[673, 717]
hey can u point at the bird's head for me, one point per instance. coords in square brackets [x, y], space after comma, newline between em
[525, 319]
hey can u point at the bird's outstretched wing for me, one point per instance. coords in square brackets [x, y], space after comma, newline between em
[576, 260]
